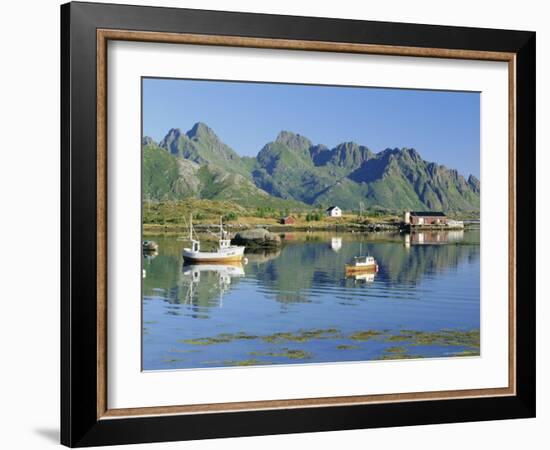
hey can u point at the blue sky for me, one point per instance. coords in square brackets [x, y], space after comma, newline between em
[442, 126]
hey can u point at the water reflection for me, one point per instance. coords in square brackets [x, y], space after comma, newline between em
[426, 281]
[336, 243]
[362, 277]
[290, 274]
[261, 256]
[216, 278]
[149, 255]
[433, 237]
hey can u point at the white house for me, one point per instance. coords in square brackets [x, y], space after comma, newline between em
[334, 211]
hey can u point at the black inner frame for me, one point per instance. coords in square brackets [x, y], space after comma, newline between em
[79, 423]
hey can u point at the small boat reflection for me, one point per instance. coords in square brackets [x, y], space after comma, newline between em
[222, 270]
[362, 277]
[149, 255]
[217, 277]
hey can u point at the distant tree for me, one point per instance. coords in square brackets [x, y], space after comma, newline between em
[230, 216]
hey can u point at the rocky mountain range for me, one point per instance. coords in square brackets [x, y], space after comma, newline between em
[292, 171]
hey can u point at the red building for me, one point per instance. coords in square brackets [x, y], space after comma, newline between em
[425, 218]
[288, 220]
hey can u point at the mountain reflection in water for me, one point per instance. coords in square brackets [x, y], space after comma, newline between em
[224, 315]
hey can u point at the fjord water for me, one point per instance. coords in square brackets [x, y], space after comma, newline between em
[296, 305]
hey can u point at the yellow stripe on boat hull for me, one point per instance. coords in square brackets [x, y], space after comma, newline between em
[234, 258]
[355, 269]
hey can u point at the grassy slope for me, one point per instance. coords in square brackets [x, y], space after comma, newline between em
[166, 177]
[159, 173]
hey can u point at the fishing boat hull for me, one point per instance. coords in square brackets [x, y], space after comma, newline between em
[352, 269]
[228, 255]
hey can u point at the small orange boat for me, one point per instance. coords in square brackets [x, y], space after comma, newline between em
[361, 264]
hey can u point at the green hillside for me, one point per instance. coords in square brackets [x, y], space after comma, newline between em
[292, 172]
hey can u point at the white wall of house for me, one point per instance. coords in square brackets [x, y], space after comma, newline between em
[334, 212]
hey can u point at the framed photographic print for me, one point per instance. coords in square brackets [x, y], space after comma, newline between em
[277, 224]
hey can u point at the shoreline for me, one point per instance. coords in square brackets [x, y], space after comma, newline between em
[151, 229]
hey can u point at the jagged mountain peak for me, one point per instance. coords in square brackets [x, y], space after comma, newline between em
[200, 129]
[174, 132]
[348, 144]
[170, 141]
[148, 140]
[293, 141]
[474, 183]
[387, 152]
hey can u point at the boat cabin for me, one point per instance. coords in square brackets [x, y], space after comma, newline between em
[225, 243]
[195, 246]
[363, 261]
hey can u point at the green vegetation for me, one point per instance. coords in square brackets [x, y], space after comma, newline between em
[313, 216]
[160, 174]
[285, 353]
[396, 349]
[399, 355]
[467, 353]
[173, 215]
[246, 362]
[302, 335]
[442, 337]
[454, 338]
[219, 339]
[365, 335]
[230, 216]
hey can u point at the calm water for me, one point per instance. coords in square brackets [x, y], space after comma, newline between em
[297, 306]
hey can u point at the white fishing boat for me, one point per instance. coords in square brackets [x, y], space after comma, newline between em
[224, 253]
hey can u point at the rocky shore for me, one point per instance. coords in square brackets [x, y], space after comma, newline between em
[258, 238]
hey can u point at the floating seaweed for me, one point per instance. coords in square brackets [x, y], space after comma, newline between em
[285, 353]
